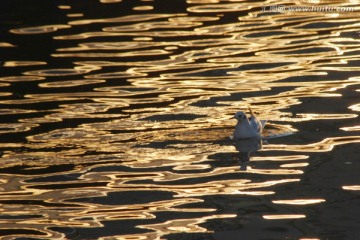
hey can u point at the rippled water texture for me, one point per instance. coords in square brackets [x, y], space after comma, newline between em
[116, 117]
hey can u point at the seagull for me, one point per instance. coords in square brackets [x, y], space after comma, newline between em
[248, 127]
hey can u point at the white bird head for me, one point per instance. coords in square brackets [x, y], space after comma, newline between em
[240, 116]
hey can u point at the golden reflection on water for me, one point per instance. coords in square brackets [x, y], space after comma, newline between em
[183, 225]
[6, 45]
[299, 201]
[352, 188]
[353, 128]
[283, 216]
[142, 111]
[39, 29]
[22, 63]
[143, 8]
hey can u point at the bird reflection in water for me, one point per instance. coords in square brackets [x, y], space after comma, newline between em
[246, 147]
[247, 136]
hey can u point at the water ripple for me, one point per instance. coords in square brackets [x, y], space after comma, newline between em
[127, 117]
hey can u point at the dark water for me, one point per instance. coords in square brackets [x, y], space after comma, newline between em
[116, 117]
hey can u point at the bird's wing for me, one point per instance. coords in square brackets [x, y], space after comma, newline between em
[256, 124]
[252, 113]
[263, 122]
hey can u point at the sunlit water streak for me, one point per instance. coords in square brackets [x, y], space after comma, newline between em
[121, 129]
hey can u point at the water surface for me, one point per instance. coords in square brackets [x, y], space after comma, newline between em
[116, 117]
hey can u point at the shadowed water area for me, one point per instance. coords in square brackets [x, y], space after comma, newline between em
[116, 117]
